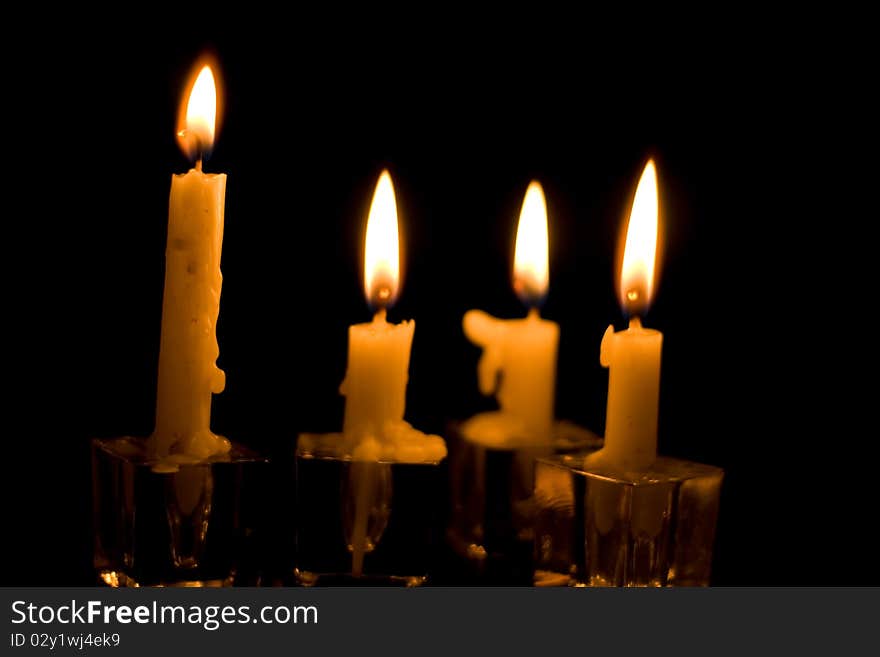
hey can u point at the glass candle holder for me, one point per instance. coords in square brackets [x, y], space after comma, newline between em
[492, 511]
[161, 525]
[597, 526]
[401, 524]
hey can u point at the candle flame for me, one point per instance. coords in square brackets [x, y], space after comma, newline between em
[382, 248]
[530, 258]
[636, 289]
[197, 122]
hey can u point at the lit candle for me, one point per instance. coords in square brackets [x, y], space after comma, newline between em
[518, 363]
[633, 355]
[188, 372]
[374, 431]
[378, 351]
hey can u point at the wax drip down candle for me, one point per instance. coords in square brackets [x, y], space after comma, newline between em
[171, 509]
[388, 469]
[493, 453]
[622, 515]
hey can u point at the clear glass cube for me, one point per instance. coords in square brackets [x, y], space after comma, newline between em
[492, 511]
[402, 524]
[596, 526]
[161, 525]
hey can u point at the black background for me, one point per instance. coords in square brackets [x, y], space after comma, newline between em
[755, 124]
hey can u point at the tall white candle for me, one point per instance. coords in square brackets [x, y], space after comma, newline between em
[518, 363]
[188, 372]
[633, 355]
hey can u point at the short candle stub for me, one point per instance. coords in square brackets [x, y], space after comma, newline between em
[633, 359]
[518, 367]
[633, 355]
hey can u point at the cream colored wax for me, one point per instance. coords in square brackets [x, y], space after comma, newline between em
[188, 372]
[633, 359]
[378, 371]
[518, 365]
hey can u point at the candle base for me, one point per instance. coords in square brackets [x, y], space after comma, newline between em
[491, 524]
[597, 526]
[159, 524]
[402, 517]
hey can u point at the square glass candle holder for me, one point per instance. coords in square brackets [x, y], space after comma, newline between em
[597, 526]
[492, 511]
[403, 521]
[158, 524]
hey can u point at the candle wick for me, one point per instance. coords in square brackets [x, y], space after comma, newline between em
[380, 315]
[199, 165]
[635, 322]
[533, 313]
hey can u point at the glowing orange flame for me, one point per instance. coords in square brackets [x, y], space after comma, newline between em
[530, 259]
[382, 246]
[636, 289]
[197, 121]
